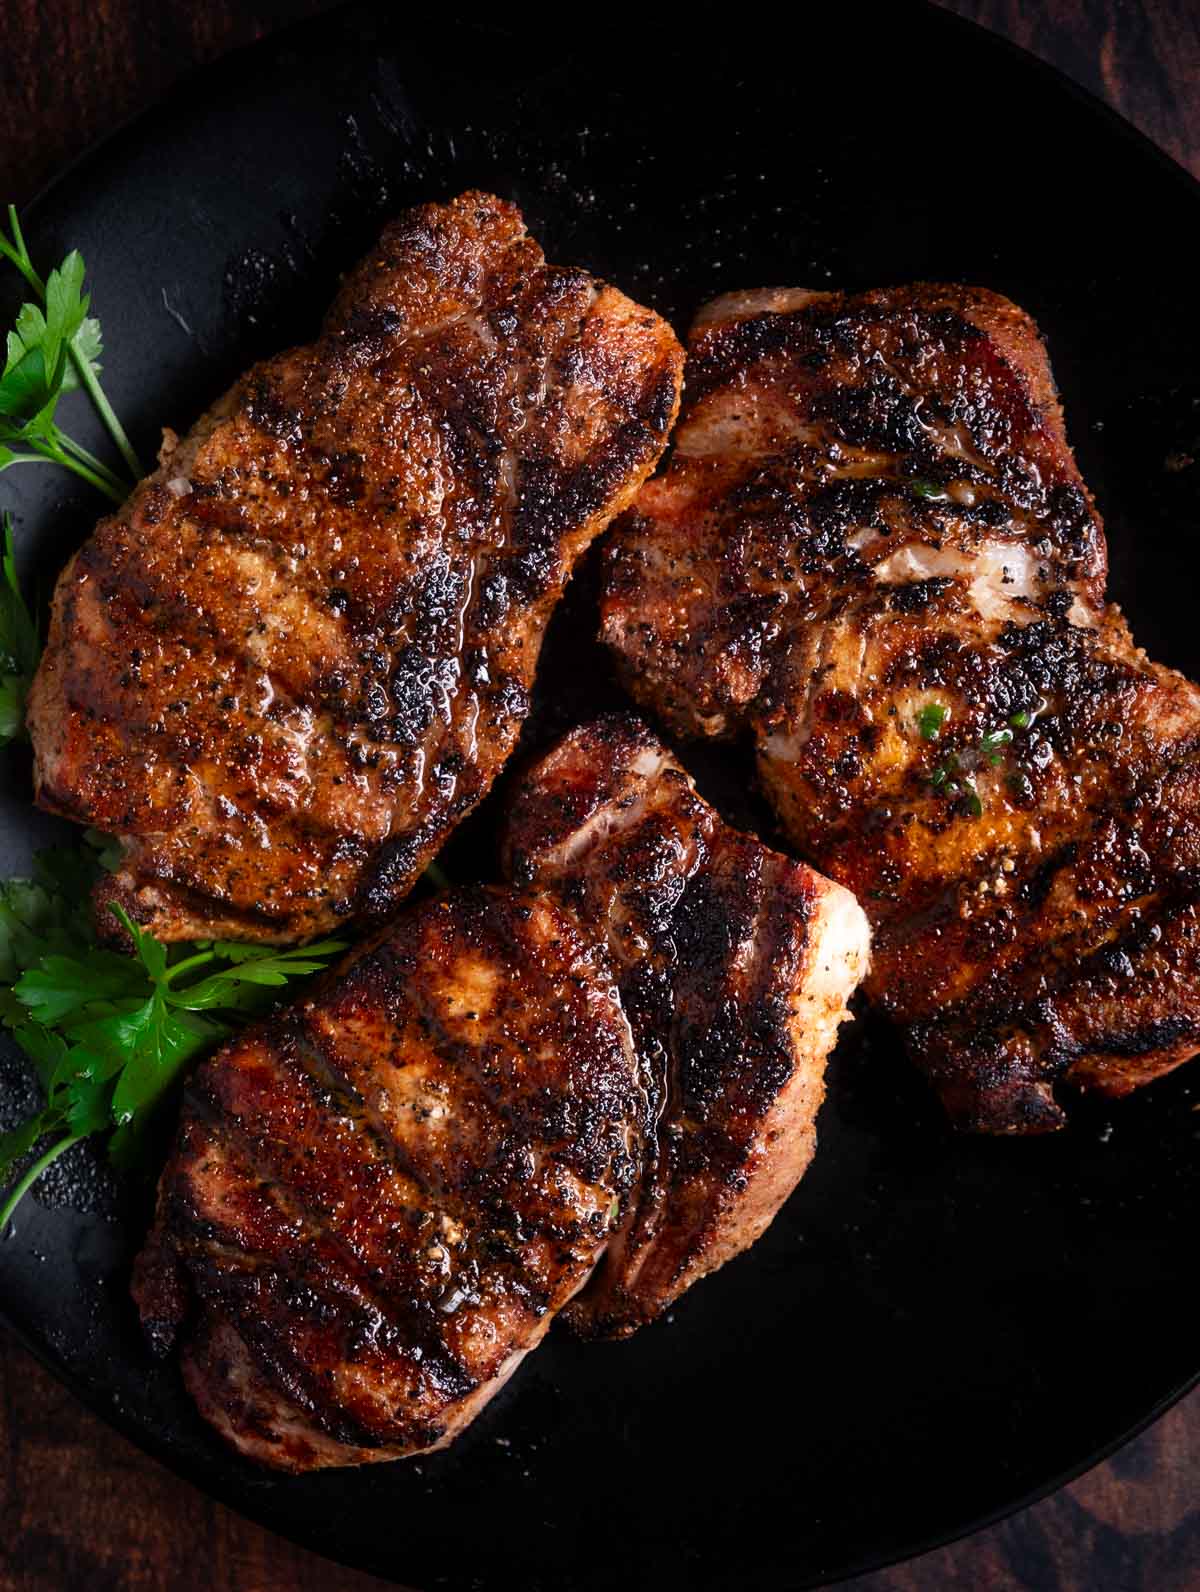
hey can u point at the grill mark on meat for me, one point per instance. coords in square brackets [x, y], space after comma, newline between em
[314, 1243]
[367, 1150]
[328, 1074]
[249, 800]
[252, 1414]
[248, 1301]
[870, 508]
[372, 1278]
[492, 1107]
[317, 1262]
[414, 607]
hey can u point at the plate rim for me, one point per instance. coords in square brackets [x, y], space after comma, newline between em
[146, 1440]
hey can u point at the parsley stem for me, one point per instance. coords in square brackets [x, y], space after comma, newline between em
[50, 455]
[98, 465]
[31, 1177]
[54, 453]
[85, 456]
[104, 409]
[20, 255]
[87, 376]
[187, 964]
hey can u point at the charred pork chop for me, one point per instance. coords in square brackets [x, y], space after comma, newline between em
[734, 964]
[378, 1200]
[873, 551]
[300, 652]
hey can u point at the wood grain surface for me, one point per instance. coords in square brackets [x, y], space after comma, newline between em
[81, 1510]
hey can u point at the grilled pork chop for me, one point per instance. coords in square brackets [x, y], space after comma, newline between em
[378, 1200]
[873, 551]
[734, 965]
[299, 654]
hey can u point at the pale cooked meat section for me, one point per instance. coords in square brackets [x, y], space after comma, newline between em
[873, 551]
[378, 1201]
[301, 651]
[735, 965]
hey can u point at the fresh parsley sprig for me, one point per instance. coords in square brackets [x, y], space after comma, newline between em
[108, 1034]
[53, 347]
[18, 641]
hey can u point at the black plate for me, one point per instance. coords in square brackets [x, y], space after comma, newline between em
[935, 1329]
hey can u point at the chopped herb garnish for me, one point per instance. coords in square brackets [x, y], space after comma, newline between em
[108, 1034]
[930, 719]
[929, 490]
[949, 779]
[943, 775]
[952, 776]
[991, 744]
[1023, 719]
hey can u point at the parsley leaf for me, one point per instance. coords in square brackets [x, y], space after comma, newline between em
[1027, 716]
[109, 1034]
[241, 985]
[87, 346]
[53, 347]
[108, 851]
[61, 986]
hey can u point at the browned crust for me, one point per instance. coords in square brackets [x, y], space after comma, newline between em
[734, 968]
[871, 505]
[299, 654]
[378, 1201]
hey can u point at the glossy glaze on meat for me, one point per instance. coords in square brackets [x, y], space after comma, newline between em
[873, 551]
[378, 1200]
[302, 650]
[734, 964]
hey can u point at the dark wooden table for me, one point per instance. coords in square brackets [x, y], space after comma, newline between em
[83, 1511]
